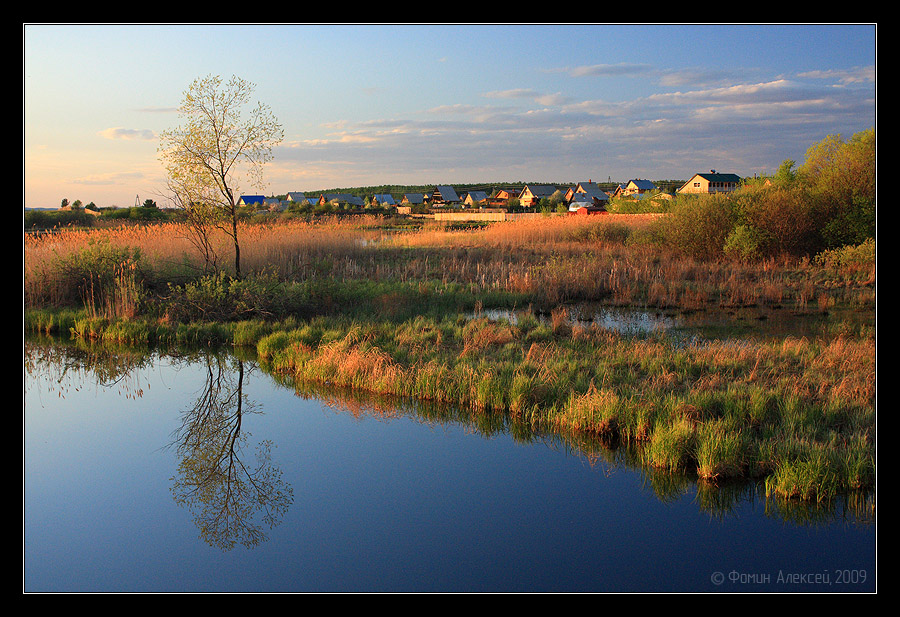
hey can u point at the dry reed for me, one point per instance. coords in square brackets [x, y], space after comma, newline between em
[555, 260]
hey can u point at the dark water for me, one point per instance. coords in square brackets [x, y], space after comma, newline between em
[201, 473]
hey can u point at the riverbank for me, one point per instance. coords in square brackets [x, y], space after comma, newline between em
[798, 413]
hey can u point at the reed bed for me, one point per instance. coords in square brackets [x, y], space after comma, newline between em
[554, 260]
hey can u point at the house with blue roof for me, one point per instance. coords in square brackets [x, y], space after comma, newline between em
[531, 195]
[584, 191]
[297, 197]
[444, 195]
[383, 199]
[413, 198]
[638, 186]
[341, 198]
[251, 200]
[273, 204]
[474, 198]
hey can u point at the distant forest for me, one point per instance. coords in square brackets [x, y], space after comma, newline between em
[668, 186]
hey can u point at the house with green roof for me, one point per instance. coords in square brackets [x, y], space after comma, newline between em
[712, 182]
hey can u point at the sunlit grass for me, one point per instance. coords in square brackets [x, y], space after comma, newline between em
[553, 260]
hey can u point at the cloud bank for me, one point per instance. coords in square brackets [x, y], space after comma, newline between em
[697, 121]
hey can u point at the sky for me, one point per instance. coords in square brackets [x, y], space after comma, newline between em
[429, 104]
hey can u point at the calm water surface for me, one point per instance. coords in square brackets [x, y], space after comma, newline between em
[201, 473]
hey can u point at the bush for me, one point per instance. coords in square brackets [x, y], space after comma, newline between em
[744, 243]
[786, 220]
[849, 257]
[699, 225]
[107, 279]
[46, 219]
[221, 297]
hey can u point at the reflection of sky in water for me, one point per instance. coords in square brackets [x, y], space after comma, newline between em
[382, 502]
[624, 321]
[713, 324]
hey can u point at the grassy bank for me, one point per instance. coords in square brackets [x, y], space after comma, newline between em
[799, 413]
[789, 411]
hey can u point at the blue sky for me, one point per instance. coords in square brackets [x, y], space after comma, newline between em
[444, 104]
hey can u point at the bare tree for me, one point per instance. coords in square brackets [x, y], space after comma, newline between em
[222, 143]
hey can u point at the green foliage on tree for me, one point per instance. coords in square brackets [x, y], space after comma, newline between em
[223, 143]
[828, 203]
[840, 175]
[785, 175]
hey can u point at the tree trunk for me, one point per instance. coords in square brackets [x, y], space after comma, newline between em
[237, 246]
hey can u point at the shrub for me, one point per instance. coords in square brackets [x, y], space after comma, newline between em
[851, 257]
[786, 220]
[45, 219]
[699, 225]
[743, 244]
[107, 279]
[221, 297]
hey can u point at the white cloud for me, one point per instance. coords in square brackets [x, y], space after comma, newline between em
[515, 93]
[127, 134]
[622, 69]
[858, 75]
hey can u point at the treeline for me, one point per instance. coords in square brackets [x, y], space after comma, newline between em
[40, 219]
[461, 188]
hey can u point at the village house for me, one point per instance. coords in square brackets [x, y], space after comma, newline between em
[341, 199]
[273, 204]
[412, 199]
[475, 198]
[251, 200]
[585, 203]
[444, 195]
[712, 182]
[299, 198]
[383, 199]
[532, 195]
[502, 196]
[587, 192]
[638, 187]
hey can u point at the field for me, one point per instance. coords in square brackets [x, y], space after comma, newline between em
[400, 308]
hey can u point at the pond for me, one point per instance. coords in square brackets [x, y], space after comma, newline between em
[199, 472]
[758, 323]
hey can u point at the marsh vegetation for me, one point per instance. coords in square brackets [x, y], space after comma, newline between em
[386, 306]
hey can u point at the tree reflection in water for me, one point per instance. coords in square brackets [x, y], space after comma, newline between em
[227, 493]
[232, 500]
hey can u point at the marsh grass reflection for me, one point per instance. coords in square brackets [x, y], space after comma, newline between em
[232, 496]
[55, 368]
[718, 499]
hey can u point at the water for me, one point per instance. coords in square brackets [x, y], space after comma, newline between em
[732, 324]
[142, 474]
